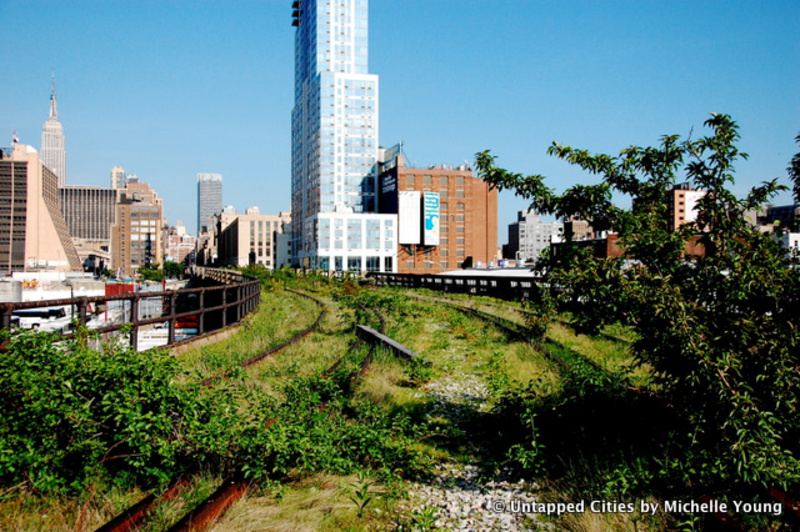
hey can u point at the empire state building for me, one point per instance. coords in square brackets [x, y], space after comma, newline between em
[53, 154]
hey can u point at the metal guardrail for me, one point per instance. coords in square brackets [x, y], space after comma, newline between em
[508, 288]
[216, 307]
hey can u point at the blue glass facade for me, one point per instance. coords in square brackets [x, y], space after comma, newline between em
[334, 127]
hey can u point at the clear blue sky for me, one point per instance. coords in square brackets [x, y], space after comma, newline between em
[168, 89]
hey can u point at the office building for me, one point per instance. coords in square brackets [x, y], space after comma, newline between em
[136, 236]
[118, 178]
[33, 233]
[682, 201]
[786, 217]
[447, 217]
[89, 212]
[529, 235]
[250, 238]
[54, 153]
[209, 199]
[180, 245]
[335, 143]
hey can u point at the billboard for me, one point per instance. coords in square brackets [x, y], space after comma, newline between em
[409, 217]
[430, 209]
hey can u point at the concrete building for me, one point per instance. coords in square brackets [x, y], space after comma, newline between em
[136, 236]
[118, 178]
[447, 217]
[33, 233]
[209, 199]
[784, 216]
[54, 153]
[578, 229]
[683, 202]
[529, 235]
[791, 243]
[89, 213]
[180, 244]
[335, 142]
[250, 238]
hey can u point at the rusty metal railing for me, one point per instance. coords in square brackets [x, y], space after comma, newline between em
[216, 307]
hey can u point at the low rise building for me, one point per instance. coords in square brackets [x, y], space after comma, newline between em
[180, 244]
[250, 238]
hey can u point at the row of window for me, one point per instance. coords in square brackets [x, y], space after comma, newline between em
[428, 180]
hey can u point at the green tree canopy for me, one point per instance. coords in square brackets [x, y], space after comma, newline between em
[721, 331]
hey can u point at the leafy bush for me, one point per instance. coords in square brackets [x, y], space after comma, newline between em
[69, 409]
[721, 331]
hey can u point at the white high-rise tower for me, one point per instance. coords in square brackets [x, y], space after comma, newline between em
[335, 143]
[53, 153]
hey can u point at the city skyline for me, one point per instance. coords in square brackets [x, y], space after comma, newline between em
[175, 92]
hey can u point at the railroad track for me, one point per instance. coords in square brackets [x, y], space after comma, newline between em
[210, 510]
[720, 520]
[231, 489]
[517, 331]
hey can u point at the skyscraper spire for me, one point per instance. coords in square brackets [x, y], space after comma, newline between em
[53, 101]
[53, 152]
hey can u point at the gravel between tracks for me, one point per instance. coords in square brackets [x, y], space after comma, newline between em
[458, 497]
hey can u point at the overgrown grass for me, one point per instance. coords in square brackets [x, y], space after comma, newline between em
[576, 431]
[279, 317]
[311, 503]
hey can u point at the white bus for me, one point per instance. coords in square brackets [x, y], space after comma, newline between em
[44, 319]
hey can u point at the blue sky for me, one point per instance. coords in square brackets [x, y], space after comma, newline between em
[168, 89]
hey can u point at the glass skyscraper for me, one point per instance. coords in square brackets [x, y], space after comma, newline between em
[209, 199]
[335, 143]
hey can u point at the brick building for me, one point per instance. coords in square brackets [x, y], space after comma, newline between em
[461, 232]
[136, 236]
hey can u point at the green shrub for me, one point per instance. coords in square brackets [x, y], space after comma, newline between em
[69, 410]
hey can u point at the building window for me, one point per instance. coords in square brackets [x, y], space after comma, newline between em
[459, 206]
[460, 229]
[409, 179]
[460, 241]
[373, 264]
[460, 193]
[460, 181]
[443, 206]
[460, 253]
[427, 180]
[443, 180]
[410, 264]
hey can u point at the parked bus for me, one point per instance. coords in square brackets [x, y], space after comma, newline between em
[45, 318]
